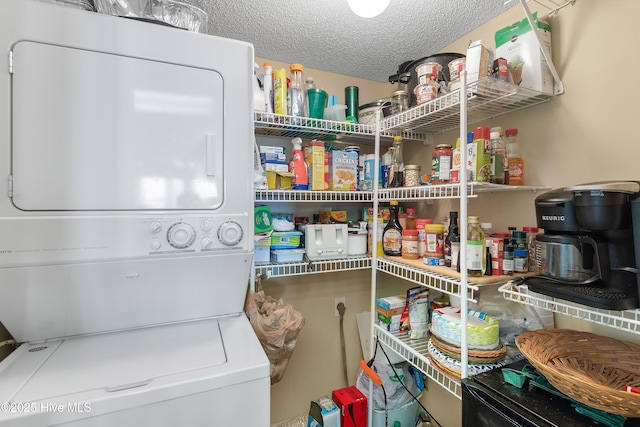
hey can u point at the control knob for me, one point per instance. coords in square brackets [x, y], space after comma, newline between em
[230, 233]
[181, 235]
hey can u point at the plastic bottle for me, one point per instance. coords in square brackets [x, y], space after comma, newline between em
[507, 262]
[516, 163]
[296, 91]
[411, 219]
[499, 161]
[308, 84]
[280, 91]
[298, 166]
[453, 232]
[392, 233]
[268, 87]
[476, 248]
[396, 173]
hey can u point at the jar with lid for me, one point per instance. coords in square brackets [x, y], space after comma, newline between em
[434, 234]
[422, 237]
[521, 260]
[410, 244]
[508, 261]
[412, 175]
[441, 164]
[519, 239]
[399, 101]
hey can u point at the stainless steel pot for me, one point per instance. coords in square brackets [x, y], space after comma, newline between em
[572, 258]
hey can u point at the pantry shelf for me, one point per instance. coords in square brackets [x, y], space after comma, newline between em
[449, 191]
[625, 320]
[416, 353]
[487, 99]
[312, 196]
[312, 267]
[283, 126]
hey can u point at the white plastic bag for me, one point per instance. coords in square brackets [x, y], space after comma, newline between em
[259, 178]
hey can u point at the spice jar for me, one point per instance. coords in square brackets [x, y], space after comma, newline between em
[412, 175]
[410, 244]
[521, 260]
[441, 164]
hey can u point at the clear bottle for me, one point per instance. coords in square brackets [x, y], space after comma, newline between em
[396, 173]
[308, 84]
[296, 91]
[476, 248]
[499, 161]
[516, 163]
[392, 233]
[452, 233]
[411, 219]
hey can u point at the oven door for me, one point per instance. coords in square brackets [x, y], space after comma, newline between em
[80, 142]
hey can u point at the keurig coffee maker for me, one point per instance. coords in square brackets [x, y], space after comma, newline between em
[587, 252]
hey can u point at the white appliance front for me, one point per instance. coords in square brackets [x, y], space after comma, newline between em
[127, 227]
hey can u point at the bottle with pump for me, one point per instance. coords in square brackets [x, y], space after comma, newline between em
[298, 166]
[396, 172]
[476, 248]
[392, 233]
[268, 87]
[296, 91]
[516, 163]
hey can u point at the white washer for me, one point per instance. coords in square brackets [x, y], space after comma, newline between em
[127, 228]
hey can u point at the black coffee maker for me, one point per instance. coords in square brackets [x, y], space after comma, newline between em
[587, 251]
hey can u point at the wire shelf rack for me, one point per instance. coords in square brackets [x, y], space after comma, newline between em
[312, 267]
[416, 353]
[312, 196]
[625, 320]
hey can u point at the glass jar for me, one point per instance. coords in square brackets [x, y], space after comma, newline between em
[412, 175]
[399, 101]
[441, 164]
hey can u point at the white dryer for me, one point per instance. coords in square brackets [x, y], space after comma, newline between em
[127, 227]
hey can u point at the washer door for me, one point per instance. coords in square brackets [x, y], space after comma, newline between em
[97, 131]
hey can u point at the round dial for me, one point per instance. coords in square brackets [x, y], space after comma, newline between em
[206, 242]
[181, 235]
[155, 227]
[230, 233]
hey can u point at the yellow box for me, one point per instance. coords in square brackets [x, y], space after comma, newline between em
[343, 171]
[317, 176]
[279, 180]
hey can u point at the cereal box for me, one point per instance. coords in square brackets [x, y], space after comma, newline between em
[343, 171]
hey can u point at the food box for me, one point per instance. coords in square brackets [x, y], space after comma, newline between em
[527, 66]
[391, 302]
[278, 180]
[262, 250]
[323, 413]
[332, 217]
[287, 255]
[478, 161]
[352, 405]
[262, 219]
[270, 149]
[479, 61]
[275, 167]
[280, 158]
[389, 313]
[285, 239]
[315, 158]
[343, 171]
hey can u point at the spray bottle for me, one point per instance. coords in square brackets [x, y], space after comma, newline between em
[298, 166]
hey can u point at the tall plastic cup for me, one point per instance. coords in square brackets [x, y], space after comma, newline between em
[317, 99]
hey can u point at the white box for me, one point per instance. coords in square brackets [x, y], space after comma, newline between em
[527, 66]
[275, 167]
[270, 149]
[479, 61]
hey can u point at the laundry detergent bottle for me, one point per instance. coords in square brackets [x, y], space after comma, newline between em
[298, 166]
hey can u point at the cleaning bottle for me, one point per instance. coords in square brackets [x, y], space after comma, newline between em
[280, 91]
[268, 87]
[298, 166]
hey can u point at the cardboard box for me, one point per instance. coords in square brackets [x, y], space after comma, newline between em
[391, 302]
[479, 61]
[518, 45]
[279, 180]
[478, 161]
[262, 219]
[389, 313]
[323, 413]
[279, 158]
[388, 320]
[316, 166]
[333, 217]
[343, 171]
[352, 405]
[275, 167]
[269, 149]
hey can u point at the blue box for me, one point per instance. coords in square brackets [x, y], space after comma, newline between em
[279, 158]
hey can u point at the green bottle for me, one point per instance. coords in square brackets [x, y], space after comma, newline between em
[476, 248]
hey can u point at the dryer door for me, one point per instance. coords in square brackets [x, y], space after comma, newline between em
[97, 131]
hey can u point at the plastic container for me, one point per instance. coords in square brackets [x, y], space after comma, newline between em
[287, 255]
[434, 234]
[336, 113]
[285, 240]
[412, 175]
[406, 415]
[455, 68]
[410, 244]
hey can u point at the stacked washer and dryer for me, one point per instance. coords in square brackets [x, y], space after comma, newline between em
[126, 230]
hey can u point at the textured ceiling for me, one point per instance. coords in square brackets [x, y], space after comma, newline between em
[327, 35]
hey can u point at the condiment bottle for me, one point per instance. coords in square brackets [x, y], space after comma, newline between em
[411, 219]
[507, 262]
[499, 161]
[441, 164]
[396, 172]
[516, 163]
[453, 231]
[476, 248]
[296, 92]
[392, 233]
[521, 260]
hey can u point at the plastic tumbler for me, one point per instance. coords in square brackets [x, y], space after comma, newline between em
[317, 99]
[351, 100]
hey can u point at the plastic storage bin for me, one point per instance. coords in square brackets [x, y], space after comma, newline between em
[287, 255]
[285, 239]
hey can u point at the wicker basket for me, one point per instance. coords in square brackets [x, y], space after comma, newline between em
[589, 368]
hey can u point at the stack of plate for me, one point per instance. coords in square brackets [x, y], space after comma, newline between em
[75, 4]
[485, 350]
[168, 12]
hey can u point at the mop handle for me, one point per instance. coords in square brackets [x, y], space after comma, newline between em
[370, 372]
